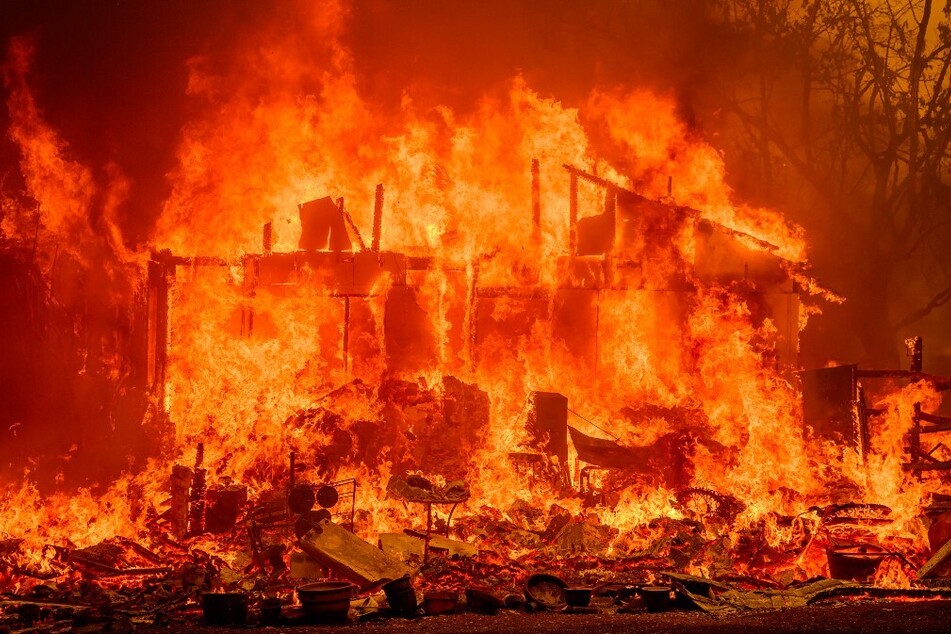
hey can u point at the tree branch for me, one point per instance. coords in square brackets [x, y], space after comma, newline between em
[940, 299]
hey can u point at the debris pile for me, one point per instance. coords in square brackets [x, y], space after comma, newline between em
[526, 560]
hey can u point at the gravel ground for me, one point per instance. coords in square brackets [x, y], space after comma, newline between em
[867, 616]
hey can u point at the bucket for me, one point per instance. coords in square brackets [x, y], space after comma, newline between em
[546, 590]
[325, 601]
[854, 563]
[401, 596]
[481, 599]
[578, 597]
[440, 602]
[224, 608]
[656, 598]
[271, 611]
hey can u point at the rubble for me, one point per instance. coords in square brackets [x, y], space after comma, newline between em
[420, 490]
[720, 599]
[407, 547]
[585, 537]
[494, 558]
[621, 573]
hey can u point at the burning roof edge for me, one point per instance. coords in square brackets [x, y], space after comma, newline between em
[695, 214]
[796, 270]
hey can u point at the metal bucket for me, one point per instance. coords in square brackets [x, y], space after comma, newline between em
[546, 590]
[440, 602]
[401, 597]
[578, 597]
[224, 608]
[271, 611]
[656, 598]
[854, 563]
[481, 599]
[326, 601]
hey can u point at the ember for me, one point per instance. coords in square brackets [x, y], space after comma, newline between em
[527, 355]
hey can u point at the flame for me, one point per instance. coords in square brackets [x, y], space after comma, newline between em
[286, 122]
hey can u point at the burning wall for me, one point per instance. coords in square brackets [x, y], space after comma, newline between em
[637, 325]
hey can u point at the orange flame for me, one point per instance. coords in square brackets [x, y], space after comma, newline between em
[283, 130]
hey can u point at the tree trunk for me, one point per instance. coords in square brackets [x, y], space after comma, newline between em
[868, 309]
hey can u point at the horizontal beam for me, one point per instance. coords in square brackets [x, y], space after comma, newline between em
[934, 418]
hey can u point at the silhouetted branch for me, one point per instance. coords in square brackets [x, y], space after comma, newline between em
[942, 298]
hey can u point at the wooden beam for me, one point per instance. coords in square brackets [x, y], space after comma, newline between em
[937, 559]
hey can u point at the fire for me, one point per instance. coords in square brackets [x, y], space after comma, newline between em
[659, 354]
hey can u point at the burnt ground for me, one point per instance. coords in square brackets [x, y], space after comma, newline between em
[867, 616]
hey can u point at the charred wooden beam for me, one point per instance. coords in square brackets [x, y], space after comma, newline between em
[180, 485]
[924, 465]
[572, 212]
[937, 559]
[267, 238]
[933, 429]
[940, 383]
[167, 259]
[536, 203]
[596, 180]
[471, 318]
[915, 436]
[913, 347]
[377, 218]
[352, 225]
[863, 414]
[196, 511]
[346, 335]
[157, 335]
[934, 418]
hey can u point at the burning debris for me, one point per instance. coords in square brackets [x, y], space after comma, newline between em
[239, 541]
[539, 384]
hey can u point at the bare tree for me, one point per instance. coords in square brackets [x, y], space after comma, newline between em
[870, 133]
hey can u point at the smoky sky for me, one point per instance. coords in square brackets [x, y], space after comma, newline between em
[111, 76]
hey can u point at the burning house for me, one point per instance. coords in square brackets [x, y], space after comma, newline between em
[376, 321]
[528, 357]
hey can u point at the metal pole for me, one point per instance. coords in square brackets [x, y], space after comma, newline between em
[536, 204]
[573, 213]
[377, 218]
